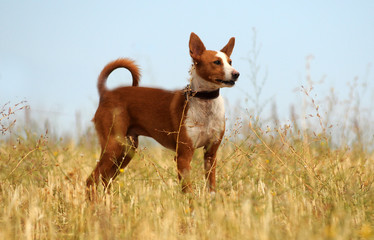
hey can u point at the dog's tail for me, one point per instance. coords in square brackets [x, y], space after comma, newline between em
[119, 63]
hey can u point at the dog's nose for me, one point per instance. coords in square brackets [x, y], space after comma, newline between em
[235, 74]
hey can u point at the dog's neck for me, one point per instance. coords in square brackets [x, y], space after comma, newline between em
[199, 88]
[198, 84]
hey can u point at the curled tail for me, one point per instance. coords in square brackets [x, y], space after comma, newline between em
[119, 63]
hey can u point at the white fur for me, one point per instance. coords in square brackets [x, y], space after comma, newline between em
[205, 120]
[227, 68]
[199, 84]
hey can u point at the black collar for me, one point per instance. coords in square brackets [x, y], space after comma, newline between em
[206, 95]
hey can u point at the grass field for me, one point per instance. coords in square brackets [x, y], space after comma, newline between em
[279, 183]
[311, 178]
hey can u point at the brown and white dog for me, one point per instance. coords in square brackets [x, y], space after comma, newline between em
[181, 120]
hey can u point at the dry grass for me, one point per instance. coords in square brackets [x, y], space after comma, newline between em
[277, 183]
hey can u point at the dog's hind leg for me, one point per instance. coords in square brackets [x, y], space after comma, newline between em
[115, 149]
[122, 161]
[109, 155]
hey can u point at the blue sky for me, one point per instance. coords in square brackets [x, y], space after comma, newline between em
[52, 52]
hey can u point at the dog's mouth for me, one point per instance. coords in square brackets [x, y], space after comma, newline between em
[229, 83]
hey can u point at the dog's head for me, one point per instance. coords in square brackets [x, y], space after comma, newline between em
[213, 66]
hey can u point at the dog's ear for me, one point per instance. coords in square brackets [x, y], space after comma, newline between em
[196, 47]
[229, 47]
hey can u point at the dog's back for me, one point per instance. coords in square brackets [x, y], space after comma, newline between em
[138, 108]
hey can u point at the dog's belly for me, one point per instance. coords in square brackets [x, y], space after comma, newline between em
[205, 121]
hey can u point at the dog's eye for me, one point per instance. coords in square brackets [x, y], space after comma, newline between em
[230, 62]
[217, 62]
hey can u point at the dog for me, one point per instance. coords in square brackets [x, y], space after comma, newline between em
[182, 120]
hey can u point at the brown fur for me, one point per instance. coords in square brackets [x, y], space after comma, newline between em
[128, 112]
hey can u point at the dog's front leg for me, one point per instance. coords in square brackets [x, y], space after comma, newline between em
[210, 152]
[183, 159]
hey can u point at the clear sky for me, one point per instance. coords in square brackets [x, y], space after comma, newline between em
[51, 52]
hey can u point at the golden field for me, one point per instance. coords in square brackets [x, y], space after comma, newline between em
[272, 183]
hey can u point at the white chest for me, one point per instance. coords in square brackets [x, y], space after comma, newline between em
[205, 120]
